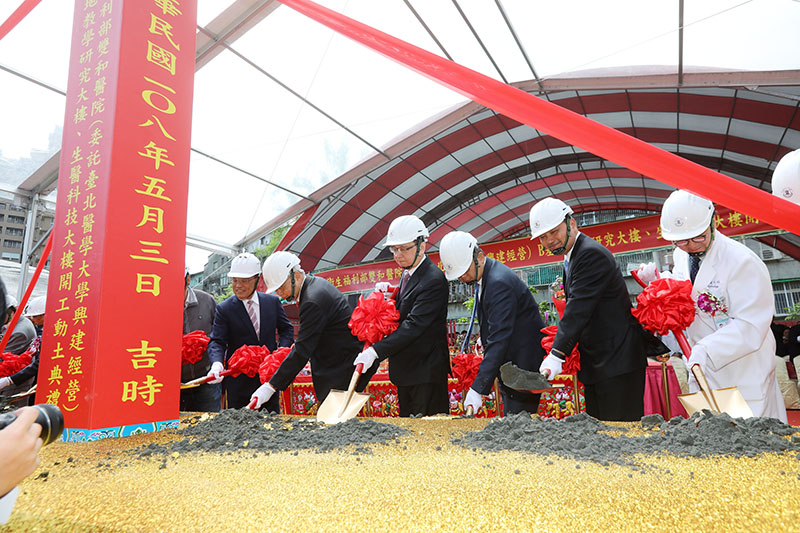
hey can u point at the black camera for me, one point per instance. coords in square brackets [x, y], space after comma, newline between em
[50, 418]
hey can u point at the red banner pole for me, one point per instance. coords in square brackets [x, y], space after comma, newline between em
[20, 13]
[28, 291]
[564, 124]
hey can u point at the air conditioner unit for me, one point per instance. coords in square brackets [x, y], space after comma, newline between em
[768, 253]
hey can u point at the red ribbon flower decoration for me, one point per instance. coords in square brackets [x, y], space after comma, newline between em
[13, 363]
[373, 318]
[245, 360]
[465, 369]
[666, 305]
[193, 346]
[271, 363]
[573, 362]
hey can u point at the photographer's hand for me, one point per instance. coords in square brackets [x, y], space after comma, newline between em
[19, 448]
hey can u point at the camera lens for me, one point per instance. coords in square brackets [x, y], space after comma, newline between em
[50, 418]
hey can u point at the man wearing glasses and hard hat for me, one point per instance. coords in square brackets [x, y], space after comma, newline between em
[419, 359]
[730, 336]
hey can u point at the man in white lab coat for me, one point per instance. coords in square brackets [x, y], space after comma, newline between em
[730, 336]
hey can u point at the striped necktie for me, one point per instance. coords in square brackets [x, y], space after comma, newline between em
[694, 266]
[251, 310]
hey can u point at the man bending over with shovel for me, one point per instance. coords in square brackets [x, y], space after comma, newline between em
[324, 337]
[730, 336]
[509, 319]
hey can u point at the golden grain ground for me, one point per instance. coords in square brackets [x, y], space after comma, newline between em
[413, 488]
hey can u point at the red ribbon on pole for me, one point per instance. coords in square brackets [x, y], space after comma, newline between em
[564, 124]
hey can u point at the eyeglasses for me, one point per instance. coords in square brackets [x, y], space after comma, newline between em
[684, 242]
[401, 249]
[242, 281]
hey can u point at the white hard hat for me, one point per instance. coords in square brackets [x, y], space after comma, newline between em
[457, 251]
[36, 306]
[11, 301]
[685, 215]
[546, 214]
[277, 268]
[786, 178]
[405, 229]
[245, 265]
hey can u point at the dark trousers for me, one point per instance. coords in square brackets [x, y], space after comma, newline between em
[239, 389]
[518, 402]
[425, 399]
[202, 399]
[617, 399]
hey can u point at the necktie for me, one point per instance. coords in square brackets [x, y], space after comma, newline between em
[251, 310]
[403, 281]
[566, 268]
[694, 266]
[471, 320]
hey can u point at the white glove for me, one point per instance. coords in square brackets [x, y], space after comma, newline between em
[647, 272]
[262, 395]
[5, 382]
[698, 357]
[551, 366]
[382, 286]
[216, 368]
[474, 400]
[367, 357]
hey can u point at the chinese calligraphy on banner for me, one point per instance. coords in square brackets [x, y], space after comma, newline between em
[623, 236]
[111, 344]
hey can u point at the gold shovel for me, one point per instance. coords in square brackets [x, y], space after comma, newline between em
[728, 400]
[343, 405]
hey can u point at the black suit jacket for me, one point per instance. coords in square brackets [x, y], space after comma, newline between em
[598, 315]
[417, 350]
[510, 324]
[324, 339]
[232, 329]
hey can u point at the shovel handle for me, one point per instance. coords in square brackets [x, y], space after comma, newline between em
[704, 388]
[351, 388]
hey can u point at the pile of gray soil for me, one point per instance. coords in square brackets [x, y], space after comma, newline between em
[247, 430]
[584, 438]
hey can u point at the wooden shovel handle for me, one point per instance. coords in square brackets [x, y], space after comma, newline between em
[704, 388]
[351, 388]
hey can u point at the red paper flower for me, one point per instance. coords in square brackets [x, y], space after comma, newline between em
[665, 305]
[246, 360]
[373, 318]
[271, 363]
[573, 362]
[13, 363]
[193, 346]
[465, 369]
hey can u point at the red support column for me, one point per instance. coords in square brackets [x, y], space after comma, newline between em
[111, 345]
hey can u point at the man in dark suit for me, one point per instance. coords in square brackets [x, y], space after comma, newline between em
[597, 315]
[508, 316]
[248, 318]
[198, 315]
[419, 360]
[324, 337]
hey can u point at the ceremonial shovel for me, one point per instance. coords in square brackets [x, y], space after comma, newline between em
[15, 397]
[524, 380]
[728, 400]
[343, 405]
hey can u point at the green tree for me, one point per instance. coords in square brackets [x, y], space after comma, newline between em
[794, 312]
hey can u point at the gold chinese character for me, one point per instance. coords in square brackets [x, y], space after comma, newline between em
[153, 250]
[154, 189]
[76, 342]
[74, 365]
[161, 57]
[144, 356]
[148, 283]
[60, 328]
[162, 27]
[55, 375]
[80, 315]
[154, 215]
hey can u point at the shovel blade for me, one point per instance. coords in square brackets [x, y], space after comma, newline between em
[331, 412]
[729, 399]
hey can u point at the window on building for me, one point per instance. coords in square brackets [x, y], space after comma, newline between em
[16, 208]
[3, 206]
[787, 294]
[11, 256]
[15, 231]
[2, 217]
[15, 220]
[12, 244]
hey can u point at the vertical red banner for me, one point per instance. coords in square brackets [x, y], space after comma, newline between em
[111, 344]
